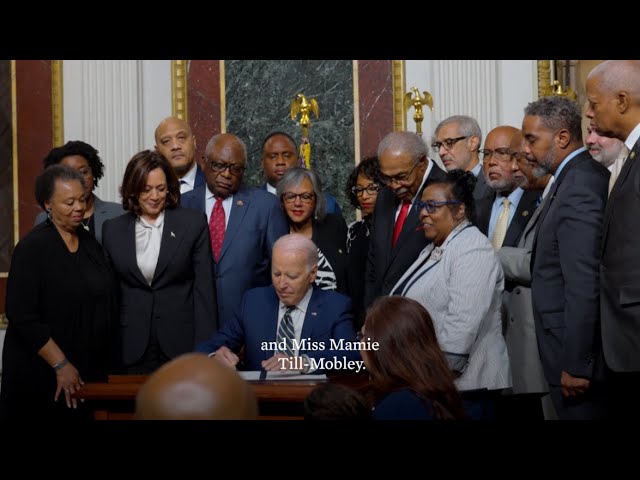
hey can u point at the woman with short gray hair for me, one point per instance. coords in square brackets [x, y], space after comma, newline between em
[300, 192]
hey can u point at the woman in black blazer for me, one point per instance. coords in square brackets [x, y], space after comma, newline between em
[300, 192]
[162, 255]
[61, 306]
[362, 190]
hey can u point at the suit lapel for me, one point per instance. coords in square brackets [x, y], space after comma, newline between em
[239, 208]
[172, 237]
[387, 207]
[533, 221]
[624, 173]
[311, 317]
[525, 207]
[130, 249]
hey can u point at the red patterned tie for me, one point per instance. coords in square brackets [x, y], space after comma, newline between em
[216, 228]
[402, 216]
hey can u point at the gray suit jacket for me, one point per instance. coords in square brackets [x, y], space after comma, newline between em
[518, 325]
[462, 289]
[102, 211]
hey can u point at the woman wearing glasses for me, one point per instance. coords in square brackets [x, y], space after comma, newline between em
[300, 192]
[84, 158]
[362, 190]
[162, 256]
[458, 279]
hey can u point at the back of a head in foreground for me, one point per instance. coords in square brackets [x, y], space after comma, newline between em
[194, 386]
[332, 401]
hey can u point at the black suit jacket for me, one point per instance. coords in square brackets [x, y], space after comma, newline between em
[180, 304]
[525, 208]
[565, 272]
[481, 189]
[385, 265]
[330, 237]
[620, 270]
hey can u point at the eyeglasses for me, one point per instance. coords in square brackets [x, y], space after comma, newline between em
[221, 167]
[447, 143]
[499, 154]
[290, 197]
[401, 177]
[431, 206]
[518, 155]
[370, 189]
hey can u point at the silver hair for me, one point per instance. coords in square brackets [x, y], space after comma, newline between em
[293, 242]
[557, 112]
[294, 177]
[467, 126]
[406, 142]
[216, 138]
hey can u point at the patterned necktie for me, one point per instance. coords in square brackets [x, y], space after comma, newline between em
[216, 228]
[501, 225]
[402, 216]
[285, 332]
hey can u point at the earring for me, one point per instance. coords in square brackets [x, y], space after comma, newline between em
[48, 210]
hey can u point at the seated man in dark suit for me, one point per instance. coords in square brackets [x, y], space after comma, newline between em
[291, 318]
[279, 154]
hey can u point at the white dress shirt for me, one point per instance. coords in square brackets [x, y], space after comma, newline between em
[226, 205]
[148, 240]
[187, 183]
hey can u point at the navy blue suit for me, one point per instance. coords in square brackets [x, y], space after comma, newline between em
[332, 203]
[565, 283]
[255, 223]
[256, 320]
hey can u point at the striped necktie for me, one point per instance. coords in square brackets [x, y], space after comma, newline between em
[286, 334]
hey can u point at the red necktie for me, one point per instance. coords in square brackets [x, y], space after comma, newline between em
[402, 216]
[216, 228]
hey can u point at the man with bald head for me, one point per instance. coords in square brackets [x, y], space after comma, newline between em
[503, 214]
[394, 242]
[175, 141]
[244, 222]
[195, 387]
[291, 319]
[613, 93]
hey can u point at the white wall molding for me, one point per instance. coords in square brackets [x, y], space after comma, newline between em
[115, 106]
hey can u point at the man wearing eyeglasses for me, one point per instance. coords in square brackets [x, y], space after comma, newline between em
[244, 222]
[457, 140]
[503, 214]
[394, 243]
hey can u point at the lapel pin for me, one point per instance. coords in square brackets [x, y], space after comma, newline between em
[340, 251]
[314, 314]
[525, 213]
[240, 203]
[633, 154]
[173, 235]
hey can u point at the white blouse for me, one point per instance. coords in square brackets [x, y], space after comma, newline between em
[148, 239]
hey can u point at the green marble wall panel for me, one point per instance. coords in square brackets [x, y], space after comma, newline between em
[258, 99]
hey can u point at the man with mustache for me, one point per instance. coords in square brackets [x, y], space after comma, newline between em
[565, 274]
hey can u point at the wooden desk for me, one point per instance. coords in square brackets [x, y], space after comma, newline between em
[277, 400]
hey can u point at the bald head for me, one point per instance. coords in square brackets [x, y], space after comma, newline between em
[195, 387]
[175, 141]
[294, 242]
[613, 93]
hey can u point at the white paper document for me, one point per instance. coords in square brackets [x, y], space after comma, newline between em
[281, 375]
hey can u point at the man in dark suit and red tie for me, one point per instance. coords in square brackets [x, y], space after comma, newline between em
[613, 93]
[565, 275]
[244, 222]
[395, 244]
